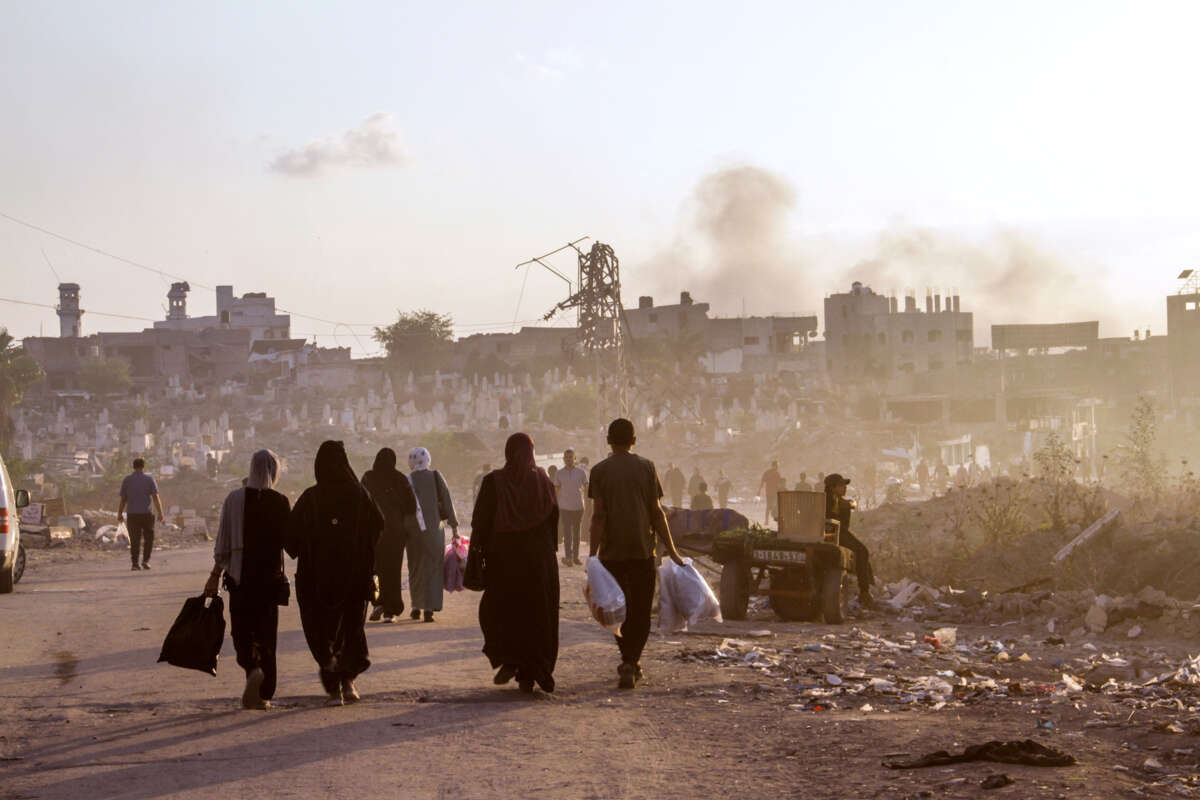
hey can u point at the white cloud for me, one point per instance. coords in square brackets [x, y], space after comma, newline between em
[553, 66]
[374, 143]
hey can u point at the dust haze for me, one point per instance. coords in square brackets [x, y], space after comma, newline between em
[738, 246]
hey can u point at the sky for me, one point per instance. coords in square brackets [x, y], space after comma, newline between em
[359, 159]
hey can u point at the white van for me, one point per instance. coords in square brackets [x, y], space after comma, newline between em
[12, 552]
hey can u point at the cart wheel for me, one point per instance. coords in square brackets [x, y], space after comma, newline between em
[735, 590]
[790, 608]
[833, 598]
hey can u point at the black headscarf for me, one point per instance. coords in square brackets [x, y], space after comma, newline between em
[389, 487]
[333, 527]
[385, 460]
[331, 467]
[525, 496]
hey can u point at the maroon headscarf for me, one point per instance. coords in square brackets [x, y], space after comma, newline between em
[524, 495]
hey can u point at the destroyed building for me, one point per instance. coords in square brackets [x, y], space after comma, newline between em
[759, 345]
[1183, 334]
[869, 338]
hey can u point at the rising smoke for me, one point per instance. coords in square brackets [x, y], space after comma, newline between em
[374, 143]
[738, 246]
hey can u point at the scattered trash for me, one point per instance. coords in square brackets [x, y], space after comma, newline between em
[947, 636]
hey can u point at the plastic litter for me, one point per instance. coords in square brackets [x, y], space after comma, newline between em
[604, 596]
[685, 598]
[947, 636]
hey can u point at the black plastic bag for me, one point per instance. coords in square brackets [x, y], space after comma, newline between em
[194, 641]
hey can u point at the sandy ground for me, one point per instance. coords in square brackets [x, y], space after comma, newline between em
[88, 713]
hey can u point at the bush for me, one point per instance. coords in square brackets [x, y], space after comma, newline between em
[572, 407]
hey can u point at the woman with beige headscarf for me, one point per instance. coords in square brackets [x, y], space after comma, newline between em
[427, 548]
[249, 552]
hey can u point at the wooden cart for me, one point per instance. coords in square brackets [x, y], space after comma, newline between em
[802, 566]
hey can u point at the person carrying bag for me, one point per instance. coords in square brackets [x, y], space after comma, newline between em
[249, 554]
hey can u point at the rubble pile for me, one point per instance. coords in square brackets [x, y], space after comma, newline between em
[1075, 613]
[98, 529]
[940, 541]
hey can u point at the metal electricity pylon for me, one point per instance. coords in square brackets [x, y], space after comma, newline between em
[597, 302]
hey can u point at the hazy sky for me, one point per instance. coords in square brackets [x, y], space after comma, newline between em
[356, 158]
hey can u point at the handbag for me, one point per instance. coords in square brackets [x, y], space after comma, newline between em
[373, 590]
[474, 573]
[283, 586]
[194, 640]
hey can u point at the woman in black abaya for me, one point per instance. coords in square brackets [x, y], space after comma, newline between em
[514, 528]
[393, 494]
[332, 532]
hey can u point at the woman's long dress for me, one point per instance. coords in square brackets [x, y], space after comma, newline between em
[253, 610]
[395, 503]
[518, 612]
[333, 537]
[427, 548]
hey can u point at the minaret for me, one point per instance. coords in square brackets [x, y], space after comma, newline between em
[69, 315]
[177, 300]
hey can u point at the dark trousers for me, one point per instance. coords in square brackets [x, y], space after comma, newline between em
[141, 530]
[254, 627]
[636, 579]
[862, 560]
[570, 521]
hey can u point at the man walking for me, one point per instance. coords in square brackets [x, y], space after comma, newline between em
[138, 491]
[770, 484]
[674, 480]
[570, 482]
[723, 487]
[627, 514]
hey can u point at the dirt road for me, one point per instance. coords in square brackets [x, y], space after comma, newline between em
[87, 713]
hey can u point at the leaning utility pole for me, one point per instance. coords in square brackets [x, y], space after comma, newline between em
[597, 302]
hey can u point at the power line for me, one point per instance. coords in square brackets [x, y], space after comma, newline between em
[85, 311]
[350, 326]
[85, 246]
[51, 266]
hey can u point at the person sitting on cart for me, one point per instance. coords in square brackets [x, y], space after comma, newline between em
[837, 507]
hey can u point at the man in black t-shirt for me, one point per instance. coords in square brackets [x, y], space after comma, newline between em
[627, 513]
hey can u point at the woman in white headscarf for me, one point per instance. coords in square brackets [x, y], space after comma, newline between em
[426, 550]
[249, 551]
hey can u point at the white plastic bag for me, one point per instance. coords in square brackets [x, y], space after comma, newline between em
[604, 596]
[685, 598]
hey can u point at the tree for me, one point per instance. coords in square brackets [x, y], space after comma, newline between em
[1056, 467]
[17, 373]
[1142, 466]
[571, 407]
[416, 337]
[100, 375]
